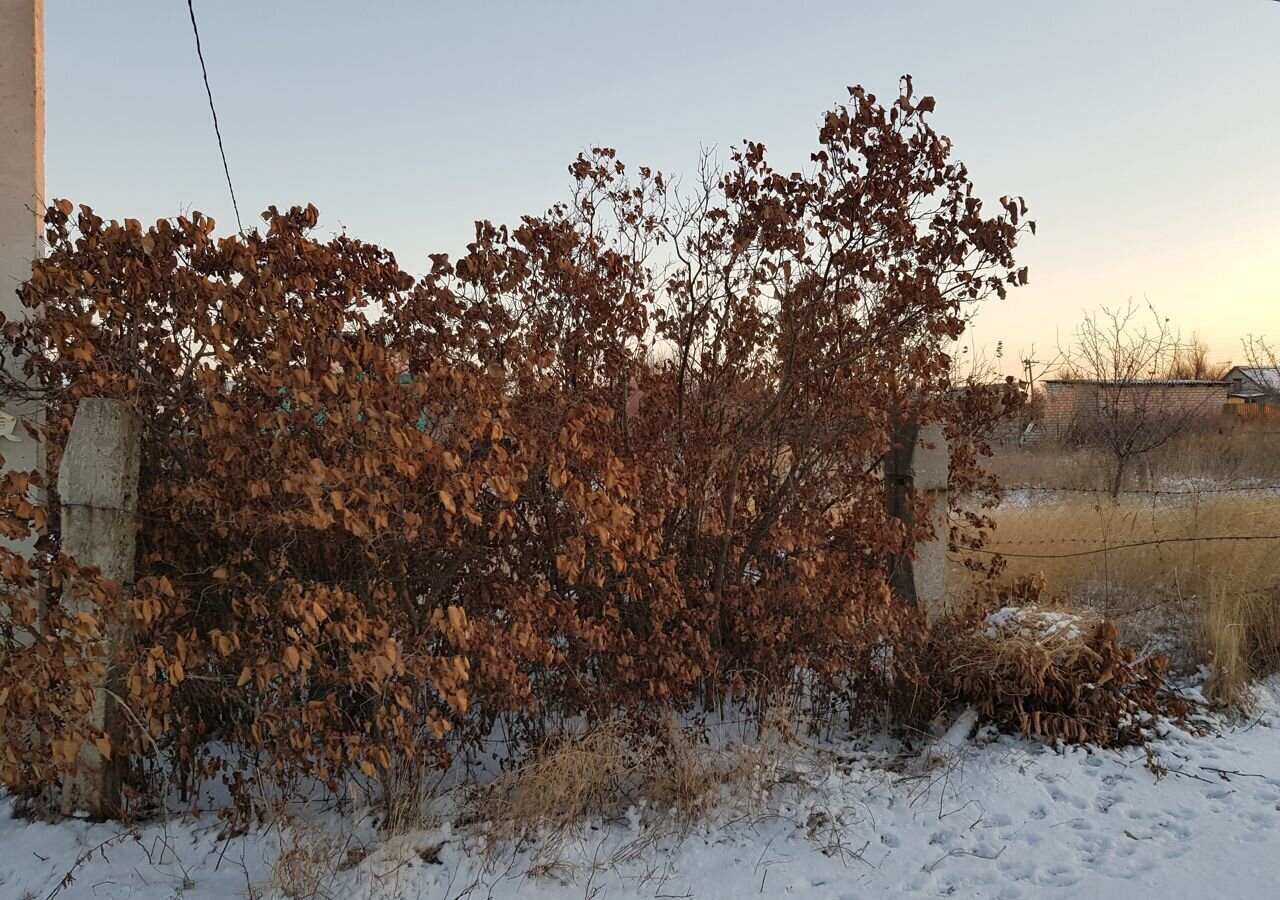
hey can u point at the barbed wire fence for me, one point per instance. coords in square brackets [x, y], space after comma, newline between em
[1193, 519]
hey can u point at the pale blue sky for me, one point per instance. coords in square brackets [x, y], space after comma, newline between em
[1145, 135]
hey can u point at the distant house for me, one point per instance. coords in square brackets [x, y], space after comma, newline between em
[1077, 404]
[1254, 385]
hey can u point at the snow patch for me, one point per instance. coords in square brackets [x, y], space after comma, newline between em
[1012, 819]
[1035, 623]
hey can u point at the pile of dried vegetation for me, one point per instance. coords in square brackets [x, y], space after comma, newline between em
[1033, 664]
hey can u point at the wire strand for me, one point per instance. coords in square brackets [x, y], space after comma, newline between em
[195, 29]
[1129, 546]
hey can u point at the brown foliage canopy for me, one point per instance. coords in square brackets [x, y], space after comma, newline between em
[621, 455]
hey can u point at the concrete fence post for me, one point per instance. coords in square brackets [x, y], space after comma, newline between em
[98, 491]
[917, 469]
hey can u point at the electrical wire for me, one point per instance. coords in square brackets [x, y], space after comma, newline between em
[195, 29]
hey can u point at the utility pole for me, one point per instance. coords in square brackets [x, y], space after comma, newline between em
[21, 200]
[1028, 370]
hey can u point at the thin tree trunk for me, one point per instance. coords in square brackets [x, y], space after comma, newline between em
[1119, 479]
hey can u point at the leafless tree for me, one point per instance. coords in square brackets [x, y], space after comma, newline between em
[1264, 358]
[1127, 354]
[972, 363]
[1191, 362]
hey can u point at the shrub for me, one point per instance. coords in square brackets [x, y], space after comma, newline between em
[545, 482]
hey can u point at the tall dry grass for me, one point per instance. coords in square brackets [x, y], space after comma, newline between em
[1240, 636]
[308, 863]
[542, 817]
[1188, 565]
[1161, 546]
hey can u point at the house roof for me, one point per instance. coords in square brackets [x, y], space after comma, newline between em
[1174, 382]
[1265, 377]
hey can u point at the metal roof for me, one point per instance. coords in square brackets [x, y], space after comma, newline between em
[1265, 377]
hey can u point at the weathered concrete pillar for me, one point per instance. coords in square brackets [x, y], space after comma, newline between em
[21, 202]
[918, 470]
[98, 489]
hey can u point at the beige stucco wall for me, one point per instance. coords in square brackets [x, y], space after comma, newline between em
[21, 180]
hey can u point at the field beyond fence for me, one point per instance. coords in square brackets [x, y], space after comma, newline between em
[1185, 558]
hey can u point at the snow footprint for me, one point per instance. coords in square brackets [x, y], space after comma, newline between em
[1017, 869]
[1262, 828]
[1060, 796]
[1059, 875]
[1104, 804]
[1094, 849]
[1267, 795]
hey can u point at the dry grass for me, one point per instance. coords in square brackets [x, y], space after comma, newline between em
[676, 776]
[1244, 455]
[1152, 562]
[1240, 639]
[682, 779]
[573, 778]
[314, 852]
[1224, 644]
[410, 794]
[1039, 464]
[539, 816]
[686, 778]
[309, 861]
[1089, 543]
[1240, 456]
[1186, 560]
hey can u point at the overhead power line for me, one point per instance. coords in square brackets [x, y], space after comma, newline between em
[195, 29]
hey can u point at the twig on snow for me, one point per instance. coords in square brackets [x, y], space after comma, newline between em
[1223, 773]
[951, 853]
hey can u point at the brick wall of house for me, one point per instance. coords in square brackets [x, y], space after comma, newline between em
[1069, 402]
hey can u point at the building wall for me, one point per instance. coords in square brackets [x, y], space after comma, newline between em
[1070, 402]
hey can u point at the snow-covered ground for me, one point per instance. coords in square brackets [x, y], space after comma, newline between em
[1000, 818]
[1166, 494]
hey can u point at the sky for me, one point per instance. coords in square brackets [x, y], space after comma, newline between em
[1144, 134]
